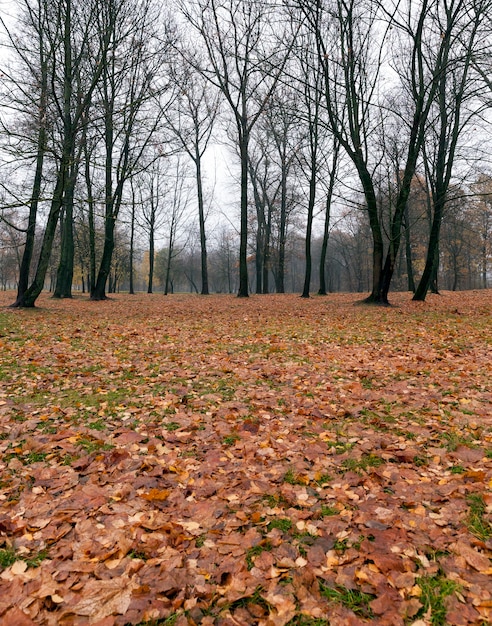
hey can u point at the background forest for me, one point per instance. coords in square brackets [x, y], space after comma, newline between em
[245, 145]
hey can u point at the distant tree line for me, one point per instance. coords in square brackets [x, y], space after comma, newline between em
[357, 135]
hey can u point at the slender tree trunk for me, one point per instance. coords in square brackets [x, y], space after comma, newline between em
[408, 253]
[150, 284]
[31, 294]
[282, 232]
[90, 210]
[201, 222]
[243, 241]
[132, 244]
[25, 266]
[309, 230]
[324, 248]
[266, 251]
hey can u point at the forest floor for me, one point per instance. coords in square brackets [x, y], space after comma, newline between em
[271, 460]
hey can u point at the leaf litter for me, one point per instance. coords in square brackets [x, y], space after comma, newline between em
[275, 460]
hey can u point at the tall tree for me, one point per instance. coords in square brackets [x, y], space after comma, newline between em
[456, 86]
[192, 121]
[29, 92]
[131, 83]
[244, 58]
[69, 112]
[353, 66]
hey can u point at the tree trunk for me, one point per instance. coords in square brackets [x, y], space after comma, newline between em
[99, 291]
[150, 284]
[266, 252]
[243, 241]
[25, 266]
[309, 230]
[31, 294]
[201, 221]
[131, 288]
[431, 262]
[408, 253]
[64, 277]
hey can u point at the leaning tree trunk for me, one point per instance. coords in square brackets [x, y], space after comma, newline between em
[31, 294]
[431, 262]
[99, 291]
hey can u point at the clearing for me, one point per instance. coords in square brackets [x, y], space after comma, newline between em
[271, 460]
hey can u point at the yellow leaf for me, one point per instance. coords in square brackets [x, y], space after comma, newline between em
[157, 495]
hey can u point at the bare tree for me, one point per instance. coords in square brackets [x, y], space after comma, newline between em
[244, 60]
[130, 86]
[345, 37]
[69, 111]
[28, 91]
[192, 121]
[455, 88]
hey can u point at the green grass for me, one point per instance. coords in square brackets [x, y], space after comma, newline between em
[93, 445]
[170, 426]
[281, 523]
[476, 522]
[323, 479]
[453, 440]
[37, 559]
[254, 598]
[435, 589]
[327, 511]
[365, 461]
[352, 599]
[292, 478]
[256, 551]
[7, 557]
[35, 457]
[230, 440]
[305, 620]
[165, 621]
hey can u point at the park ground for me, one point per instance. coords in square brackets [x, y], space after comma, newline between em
[271, 460]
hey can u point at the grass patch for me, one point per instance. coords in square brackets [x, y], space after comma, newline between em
[254, 598]
[352, 599]
[362, 464]
[305, 620]
[324, 479]
[256, 551]
[435, 589]
[170, 620]
[170, 426]
[35, 457]
[292, 478]
[282, 524]
[327, 511]
[7, 557]
[476, 522]
[93, 445]
[453, 440]
[230, 440]
[37, 559]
